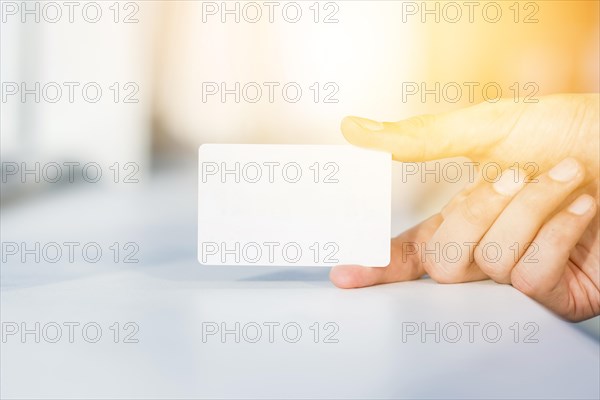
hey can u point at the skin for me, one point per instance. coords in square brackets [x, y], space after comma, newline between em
[543, 219]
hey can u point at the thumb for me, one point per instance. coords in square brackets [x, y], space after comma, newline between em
[466, 132]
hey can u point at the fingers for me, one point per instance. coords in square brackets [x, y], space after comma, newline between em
[450, 257]
[540, 273]
[518, 224]
[506, 216]
[403, 266]
[460, 196]
[463, 132]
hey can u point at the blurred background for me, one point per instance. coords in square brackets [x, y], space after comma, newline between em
[172, 75]
[175, 74]
[130, 89]
[170, 59]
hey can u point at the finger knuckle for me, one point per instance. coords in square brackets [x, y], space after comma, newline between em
[471, 211]
[421, 121]
[552, 237]
[522, 282]
[531, 200]
[440, 272]
[497, 267]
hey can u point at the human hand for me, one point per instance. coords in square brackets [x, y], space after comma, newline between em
[561, 268]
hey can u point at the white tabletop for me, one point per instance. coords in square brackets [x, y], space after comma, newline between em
[171, 298]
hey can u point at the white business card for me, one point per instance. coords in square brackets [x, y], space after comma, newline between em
[293, 205]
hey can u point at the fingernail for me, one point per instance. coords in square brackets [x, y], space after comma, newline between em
[582, 205]
[510, 182]
[565, 171]
[368, 124]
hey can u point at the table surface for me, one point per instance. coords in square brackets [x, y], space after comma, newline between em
[324, 343]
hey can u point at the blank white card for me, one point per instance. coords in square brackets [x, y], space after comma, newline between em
[293, 205]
